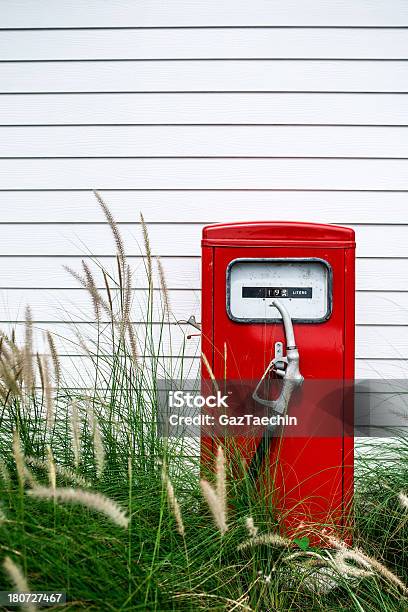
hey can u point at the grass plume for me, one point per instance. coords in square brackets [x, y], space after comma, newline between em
[19, 581]
[148, 250]
[215, 506]
[63, 472]
[344, 555]
[164, 288]
[209, 371]
[48, 391]
[217, 498]
[173, 501]
[250, 526]
[98, 446]
[93, 291]
[93, 501]
[19, 458]
[120, 247]
[41, 372]
[403, 500]
[382, 570]
[133, 344]
[52, 472]
[265, 539]
[368, 563]
[54, 357]
[28, 350]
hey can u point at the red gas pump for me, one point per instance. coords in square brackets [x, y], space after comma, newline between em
[271, 285]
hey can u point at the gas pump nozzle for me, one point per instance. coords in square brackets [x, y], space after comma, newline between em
[292, 379]
[291, 376]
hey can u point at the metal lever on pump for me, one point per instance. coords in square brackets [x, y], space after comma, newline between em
[291, 377]
[190, 321]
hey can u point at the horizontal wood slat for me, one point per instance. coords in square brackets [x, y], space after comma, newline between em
[153, 13]
[203, 43]
[216, 108]
[205, 206]
[205, 75]
[204, 174]
[204, 141]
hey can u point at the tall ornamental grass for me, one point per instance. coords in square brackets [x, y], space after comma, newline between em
[94, 502]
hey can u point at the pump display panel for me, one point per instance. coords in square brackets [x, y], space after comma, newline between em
[305, 285]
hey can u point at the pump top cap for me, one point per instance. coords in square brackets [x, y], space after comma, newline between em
[275, 233]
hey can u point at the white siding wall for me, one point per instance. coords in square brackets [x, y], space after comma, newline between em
[196, 112]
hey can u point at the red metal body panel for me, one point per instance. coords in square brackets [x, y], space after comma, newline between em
[315, 476]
